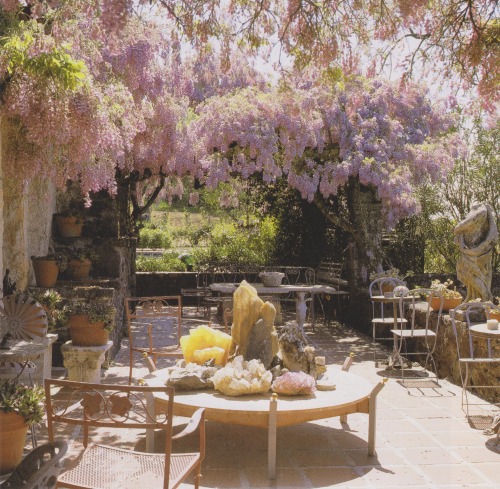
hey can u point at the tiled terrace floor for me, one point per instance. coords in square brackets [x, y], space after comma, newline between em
[423, 437]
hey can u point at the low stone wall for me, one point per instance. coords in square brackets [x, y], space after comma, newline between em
[164, 283]
[446, 355]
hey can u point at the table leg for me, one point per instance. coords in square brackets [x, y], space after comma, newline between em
[301, 309]
[271, 437]
[372, 417]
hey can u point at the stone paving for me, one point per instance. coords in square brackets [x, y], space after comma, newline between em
[423, 437]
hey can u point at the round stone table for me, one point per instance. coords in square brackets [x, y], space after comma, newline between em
[353, 394]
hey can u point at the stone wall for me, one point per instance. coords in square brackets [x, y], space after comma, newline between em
[164, 283]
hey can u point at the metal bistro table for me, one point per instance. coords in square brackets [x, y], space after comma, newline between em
[299, 290]
[353, 394]
[481, 331]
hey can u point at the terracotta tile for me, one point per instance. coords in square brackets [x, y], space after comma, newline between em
[383, 456]
[289, 478]
[318, 458]
[429, 455]
[382, 476]
[334, 476]
[399, 440]
[221, 478]
[453, 474]
[479, 454]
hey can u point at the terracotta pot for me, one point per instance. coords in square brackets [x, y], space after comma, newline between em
[85, 333]
[448, 304]
[69, 227]
[78, 269]
[46, 272]
[495, 315]
[387, 288]
[13, 431]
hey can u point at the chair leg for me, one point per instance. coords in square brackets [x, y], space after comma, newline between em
[197, 477]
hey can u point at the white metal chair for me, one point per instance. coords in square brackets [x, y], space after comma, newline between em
[384, 316]
[426, 335]
[475, 351]
[94, 407]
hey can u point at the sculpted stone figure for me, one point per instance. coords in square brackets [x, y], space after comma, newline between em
[476, 236]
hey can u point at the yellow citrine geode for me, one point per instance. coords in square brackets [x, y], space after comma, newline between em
[206, 338]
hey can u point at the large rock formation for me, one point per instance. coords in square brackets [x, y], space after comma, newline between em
[253, 329]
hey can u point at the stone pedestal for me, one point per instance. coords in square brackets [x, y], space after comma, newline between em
[44, 362]
[84, 362]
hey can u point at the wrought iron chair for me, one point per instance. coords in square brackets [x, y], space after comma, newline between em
[382, 321]
[39, 468]
[150, 320]
[22, 318]
[96, 406]
[475, 350]
[426, 334]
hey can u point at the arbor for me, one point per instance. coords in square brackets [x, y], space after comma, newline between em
[333, 143]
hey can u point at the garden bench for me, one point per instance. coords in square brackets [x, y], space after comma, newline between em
[329, 273]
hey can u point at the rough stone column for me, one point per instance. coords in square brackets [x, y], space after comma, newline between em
[84, 362]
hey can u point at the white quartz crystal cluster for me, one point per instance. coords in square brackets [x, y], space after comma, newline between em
[241, 377]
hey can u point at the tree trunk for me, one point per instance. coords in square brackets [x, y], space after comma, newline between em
[365, 250]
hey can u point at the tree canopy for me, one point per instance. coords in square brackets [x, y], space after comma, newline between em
[84, 104]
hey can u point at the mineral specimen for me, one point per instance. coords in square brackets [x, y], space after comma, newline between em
[294, 384]
[296, 354]
[253, 326]
[190, 377]
[208, 339]
[240, 377]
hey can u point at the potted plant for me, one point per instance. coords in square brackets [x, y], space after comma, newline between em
[90, 322]
[47, 268]
[494, 312]
[452, 298]
[69, 223]
[80, 264]
[20, 407]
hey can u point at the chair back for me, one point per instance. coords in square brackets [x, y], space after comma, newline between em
[95, 406]
[23, 317]
[422, 296]
[376, 286]
[156, 312]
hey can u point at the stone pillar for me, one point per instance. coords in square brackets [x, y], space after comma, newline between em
[84, 362]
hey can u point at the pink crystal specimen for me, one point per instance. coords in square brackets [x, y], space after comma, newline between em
[294, 384]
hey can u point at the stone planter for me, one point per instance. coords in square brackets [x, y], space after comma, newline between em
[78, 269]
[69, 227]
[46, 272]
[13, 431]
[85, 333]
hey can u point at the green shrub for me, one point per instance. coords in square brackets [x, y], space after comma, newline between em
[168, 262]
[154, 238]
[230, 243]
